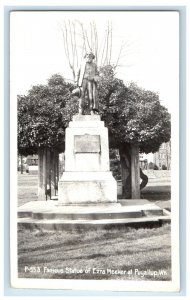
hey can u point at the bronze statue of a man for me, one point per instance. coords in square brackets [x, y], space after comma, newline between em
[87, 78]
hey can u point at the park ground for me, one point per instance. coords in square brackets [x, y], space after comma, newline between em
[119, 253]
[158, 189]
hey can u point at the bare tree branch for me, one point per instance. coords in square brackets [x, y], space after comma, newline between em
[79, 39]
[91, 35]
[96, 42]
[103, 51]
[67, 50]
[111, 36]
[72, 45]
[88, 41]
[83, 34]
[75, 44]
[119, 55]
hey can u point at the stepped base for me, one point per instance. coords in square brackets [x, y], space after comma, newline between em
[47, 215]
[27, 223]
[87, 187]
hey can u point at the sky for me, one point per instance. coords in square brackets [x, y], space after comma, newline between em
[150, 58]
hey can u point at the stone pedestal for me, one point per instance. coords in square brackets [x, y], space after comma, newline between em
[87, 177]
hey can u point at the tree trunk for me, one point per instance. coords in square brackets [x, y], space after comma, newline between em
[54, 172]
[135, 172]
[130, 172]
[125, 160]
[21, 164]
[48, 174]
[48, 168]
[41, 174]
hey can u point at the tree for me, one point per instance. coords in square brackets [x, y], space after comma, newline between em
[133, 115]
[135, 118]
[41, 129]
[40, 116]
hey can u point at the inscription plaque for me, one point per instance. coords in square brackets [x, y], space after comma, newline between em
[87, 143]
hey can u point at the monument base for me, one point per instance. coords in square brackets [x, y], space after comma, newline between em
[87, 187]
[137, 213]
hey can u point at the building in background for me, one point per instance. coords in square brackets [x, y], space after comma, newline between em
[32, 160]
[162, 158]
[21, 163]
[143, 161]
[32, 164]
[28, 164]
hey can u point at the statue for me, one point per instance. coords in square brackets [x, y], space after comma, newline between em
[87, 78]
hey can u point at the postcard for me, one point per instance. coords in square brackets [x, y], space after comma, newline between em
[94, 99]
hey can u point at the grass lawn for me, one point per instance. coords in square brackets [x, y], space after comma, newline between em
[125, 249]
[148, 250]
[158, 190]
[27, 188]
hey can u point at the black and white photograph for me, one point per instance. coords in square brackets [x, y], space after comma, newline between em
[94, 103]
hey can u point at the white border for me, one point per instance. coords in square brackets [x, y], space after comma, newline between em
[114, 285]
[100, 3]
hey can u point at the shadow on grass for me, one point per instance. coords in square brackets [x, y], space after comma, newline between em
[116, 249]
[63, 252]
[106, 237]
